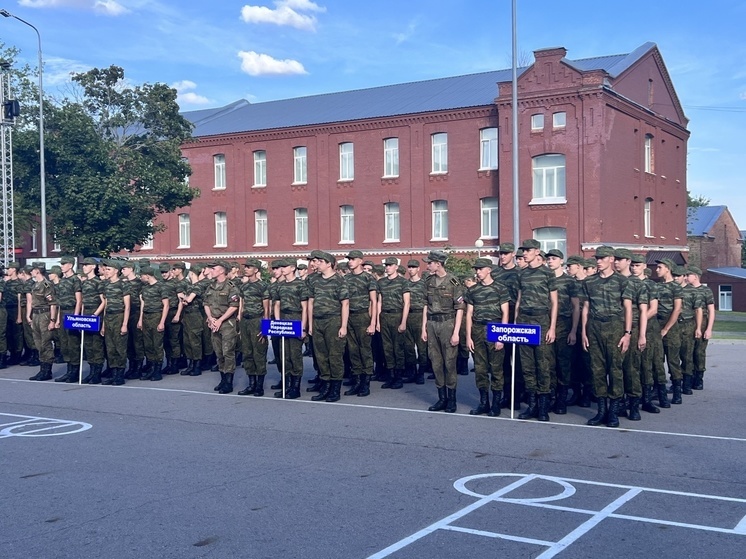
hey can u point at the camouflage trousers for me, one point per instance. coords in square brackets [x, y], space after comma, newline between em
[152, 339]
[488, 361]
[42, 336]
[14, 331]
[632, 364]
[172, 336]
[191, 329]
[28, 331]
[672, 350]
[116, 343]
[135, 345]
[69, 341]
[606, 358]
[700, 355]
[563, 352]
[393, 340]
[537, 362]
[359, 343]
[94, 347]
[686, 351]
[441, 353]
[254, 346]
[3, 330]
[415, 350]
[294, 350]
[329, 347]
[652, 366]
[224, 345]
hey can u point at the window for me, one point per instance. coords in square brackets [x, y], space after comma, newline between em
[488, 148]
[391, 213]
[301, 226]
[489, 218]
[33, 240]
[346, 224]
[725, 296]
[649, 161]
[260, 228]
[219, 163]
[185, 161]
[559, 120]
[549, 178]
[346, 162]
[185, 233]
[56, 246]
[552, 237]
[391, 157]
[221, 229]
[300, 159]
[440, 153]
[648, 217]
[440, 220]
[537, 122]
[260, 168]
[148, 243]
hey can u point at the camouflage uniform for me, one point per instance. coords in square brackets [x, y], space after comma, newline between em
[413, 337]
[290, 295]
[487, 301]
[192, 318]
[115, 293]
[28, 334]
[327, 295]
[14, 329]
[567, 290]
[219, 297]
[668, 292]
[653, 358]
[92, 289]
[444, 297]
[254, 294]
[66, 291]
[392, 307]
[172, 336]
[135, 344]
[637, 292]
[691, 301]
[509, 278]
[42, 297]
[359, 288]
[700, 344]
[151, 300]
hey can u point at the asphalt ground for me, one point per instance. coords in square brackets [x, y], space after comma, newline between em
[172, 469]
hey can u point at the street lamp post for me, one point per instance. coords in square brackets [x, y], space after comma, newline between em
[42, 178]
[479, 243]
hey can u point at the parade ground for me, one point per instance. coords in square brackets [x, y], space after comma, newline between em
[171, 469]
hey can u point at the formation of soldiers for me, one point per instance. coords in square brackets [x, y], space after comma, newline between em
[607, 330]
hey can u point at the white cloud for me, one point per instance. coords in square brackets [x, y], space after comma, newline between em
[104, 7]
[285, 13]
[406, 35]
[187, 97]
[256, 64]
[109, 8]
[743, 95]
[57, 70]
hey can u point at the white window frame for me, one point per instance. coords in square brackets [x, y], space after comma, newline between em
[647, 217]
[391, 157]
[56, 246]
[301, 226]
[392, 229]
[559, 120]
[439, 220]
[34, 246]
[261, 233]
[490, 218]
[552, 237]
[300, 165]
[549, 181]
[221, 229]
[346, 224]
[537, 122]
[218, 161]
[439, 142]
[725, 298]
[260, 168]
[346, 161]
[148, 243]
[649, 154]
[487, 149]
[185, 231]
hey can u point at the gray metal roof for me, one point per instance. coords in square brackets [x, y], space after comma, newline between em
[730, 271]
[700, 220]
[472, 90]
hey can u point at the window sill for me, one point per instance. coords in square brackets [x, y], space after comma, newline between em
[219, 246]
[438, 173]
[389, 177]
[259, 186]
[486, 169]
[300, 244]
[182, 247]
[438, 239]
[391, 241]
[218, 188]
[346, 243]
[483, 238]
[345, 180]
[146, 248]
[260, 245]
[299, 183]
[547, 201]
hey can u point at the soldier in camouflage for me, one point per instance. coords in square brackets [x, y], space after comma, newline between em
[690, 320]
[292, 304]
[670, 297]
[69, 292]
[708, 321]
[93, 304]
[152, 322]
[116, 321]
[135, 347]
[14, 319]
[221, 301]
[415, 350]
[41, 314]
[393, 310]
[253, 309]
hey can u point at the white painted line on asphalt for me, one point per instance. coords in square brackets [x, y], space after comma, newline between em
[569, 488]
[46, 427]
[624, 430]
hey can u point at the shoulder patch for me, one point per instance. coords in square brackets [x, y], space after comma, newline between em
[454, 281]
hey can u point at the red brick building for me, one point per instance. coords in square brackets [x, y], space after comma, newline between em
[402, 169]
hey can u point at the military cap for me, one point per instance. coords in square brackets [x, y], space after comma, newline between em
[678, 271]
[638, 258]
[279, 263]
[67, 260]
[575, 259]
[401, 270]
[291, 262]
[234, 264]
[55, 270]
[343, 265]
[482, 263]
[413, 263]
[164, 267]
[144, 262]
[179, 265]
[390, 261]
[196, 268]
[543, 254]
[369, 263]
[667, 262]
[253, 263]
[14, 265]
[41, 266]
[623, 253]
[556, 252]
[302, 266]
[355, 254]
[128, 264]
[315, 255]
[465, 277]
[506, 248]
[436, 256]
[116, 264]
[694, 270]
[223, 264]
[530, 243]
[26, 269]
[590, 263]
[378, 269]
[519, 253]
[147, 271]
[326, 257]
[603, 251]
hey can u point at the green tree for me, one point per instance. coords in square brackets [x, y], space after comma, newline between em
[697, 201]
[113, 163]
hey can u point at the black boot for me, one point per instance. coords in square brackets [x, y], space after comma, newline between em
[74, 374]
[585, 397]
[387, 377]
[497, 396]
[4, 361]
[462, 365]
[133, 372]
[68, 374]
[227, 385]
[410, 374]
[251, 388]
[315, 380]
[396, 382]
[440, 405]
[15, 358]
[420, 375]
[647, 400]
[600, 417]
[45, 372]
[259, 389]
[315, 384]
[451, 399]
[355, 387]
[324, 387]
[34, 361]
[156, 374]
[221, 383]
[686, 387]
[146, 371]
[543, 405]
[336, 386]
[634, 409]
[188, 369]
[676, 398]
[533, 407]
[278, 384]
[612, 420]
[698, 382]
[24, 358]
[118, 376]
[294, 391]
[350, 380]
[364, 386]
[560, 404]
[662, 396]
[484, 403]
[575, 398]
[621, 407]
[196, 368]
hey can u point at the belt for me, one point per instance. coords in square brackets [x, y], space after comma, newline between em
[483, 322]
[39, 311]
[359, 311]
[250, 316]
[325, 316]
[114, 312]
[685, 319]
[534, 312]
[417, 311]
[612, 318]
[440, 317]
[398, 311]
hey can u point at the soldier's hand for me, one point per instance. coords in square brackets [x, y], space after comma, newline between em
[454, 340]
[139, 324]
[550, 336]
[642, 343]
[571, 338]
[664, 331]
[424, 336]
[707, 335]
[402, 328]
[697, 334]
[370, 330]
[470, 344]
[586, 345]
[624, 343]
[342, 332]
[123, 331]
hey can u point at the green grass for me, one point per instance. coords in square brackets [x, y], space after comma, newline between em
[730, 325]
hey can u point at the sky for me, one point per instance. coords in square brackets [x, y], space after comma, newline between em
[216, 52]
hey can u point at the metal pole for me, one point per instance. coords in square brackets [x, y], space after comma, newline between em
[516, 190]
[42, 173]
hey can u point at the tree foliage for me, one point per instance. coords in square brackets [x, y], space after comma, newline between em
[113, 163]
[697, 201]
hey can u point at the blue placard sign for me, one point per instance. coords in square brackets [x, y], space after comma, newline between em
[282, 328]
[522, 334]
[85, 322]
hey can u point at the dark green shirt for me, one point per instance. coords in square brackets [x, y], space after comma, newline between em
[535, 286]
[509, 278]
[637, 292]
[328, 294]
[114, 293]
[690, 301]
[417, 295]
[43, 295]
[134, 288]
[707, 299]
[291, 294]
[359, 287]
[392, 293]
[604, 296]
[254, 293]
[668, 292]
[66, 290]
[444, 295]
[152, 297]
[219, 297]
[92, 289]
[10, 295]
[487, 301]
[567, 289]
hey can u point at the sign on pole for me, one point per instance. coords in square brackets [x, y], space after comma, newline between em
[283, 329]
[84, 323]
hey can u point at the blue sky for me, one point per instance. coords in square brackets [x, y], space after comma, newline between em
[220, 51]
